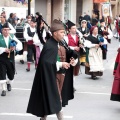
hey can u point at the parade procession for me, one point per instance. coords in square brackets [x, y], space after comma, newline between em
[60, 61]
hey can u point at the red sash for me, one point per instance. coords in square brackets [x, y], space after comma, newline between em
[30, 42]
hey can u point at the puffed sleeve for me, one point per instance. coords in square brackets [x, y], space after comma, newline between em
[2, 50]
[12, 29]
[19, 44]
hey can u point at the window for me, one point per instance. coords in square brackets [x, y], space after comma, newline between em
[67, 9]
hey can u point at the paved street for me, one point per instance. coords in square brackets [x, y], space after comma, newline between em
[91, 102]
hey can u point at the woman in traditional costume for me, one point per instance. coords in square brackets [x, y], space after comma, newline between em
[94, 61]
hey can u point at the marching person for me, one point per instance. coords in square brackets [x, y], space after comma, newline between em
[115, 94]
[73, 42]
[94, 61]
[103, 29]
[7, 57]
[65, 77]
[31, 51]
[40, 36]
[85, 32]
[26, 25]
[39, 40]
[45, 78]
[105, 32]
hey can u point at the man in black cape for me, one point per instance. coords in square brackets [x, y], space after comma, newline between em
[44, 99]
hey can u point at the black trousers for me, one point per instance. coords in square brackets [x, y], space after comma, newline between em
[31, 52]
[7, 67]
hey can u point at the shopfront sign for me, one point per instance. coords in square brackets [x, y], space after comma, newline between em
[100, 1]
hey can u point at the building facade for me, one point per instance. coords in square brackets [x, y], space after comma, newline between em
[11, 6]
[63, 9]
[115, 7]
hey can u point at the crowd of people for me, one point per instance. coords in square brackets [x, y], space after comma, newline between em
[57, 52]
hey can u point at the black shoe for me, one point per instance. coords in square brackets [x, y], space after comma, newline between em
[94, 77]
[22, 61]
[27, 70]
[9, 87]
[116, 37]
[3, 93]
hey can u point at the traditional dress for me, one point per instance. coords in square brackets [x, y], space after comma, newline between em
[82, 51]
[31, 51]
[24, 52]
[94, 62]
[7, 61]
[45, 99]
[104, 31]
[38, 42]
[61, 73]
[45, 83]
[115, 94]
[67, 84]
[73, 41]
[40, 38]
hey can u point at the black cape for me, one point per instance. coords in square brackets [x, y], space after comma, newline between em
[67, 89]
[44, 98]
